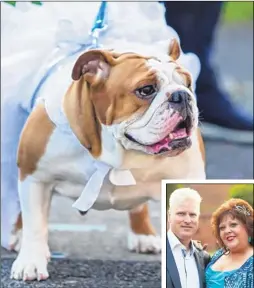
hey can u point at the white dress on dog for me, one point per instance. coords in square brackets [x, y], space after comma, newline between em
[34, 37]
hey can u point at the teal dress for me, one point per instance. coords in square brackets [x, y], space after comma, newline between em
[238, 278]
[215, 279]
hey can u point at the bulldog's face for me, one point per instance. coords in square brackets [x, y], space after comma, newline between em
[146, 103]
[164, 123]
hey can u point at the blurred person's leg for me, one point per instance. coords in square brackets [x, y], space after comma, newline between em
[195, 23]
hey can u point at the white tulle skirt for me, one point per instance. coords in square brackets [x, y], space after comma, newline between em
[29, 35]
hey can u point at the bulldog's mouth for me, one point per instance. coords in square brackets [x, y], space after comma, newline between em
[177, 139]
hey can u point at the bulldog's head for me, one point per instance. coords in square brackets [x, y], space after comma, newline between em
[144, 102]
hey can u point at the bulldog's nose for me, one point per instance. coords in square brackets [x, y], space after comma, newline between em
[179, 97]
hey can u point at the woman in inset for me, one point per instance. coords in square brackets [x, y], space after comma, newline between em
[232, 265]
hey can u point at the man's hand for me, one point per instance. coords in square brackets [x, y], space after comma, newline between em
[199, 245]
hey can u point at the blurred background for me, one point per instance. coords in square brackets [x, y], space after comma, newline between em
[223, 40]
[232, 59]
[236, 24]
[213, 195]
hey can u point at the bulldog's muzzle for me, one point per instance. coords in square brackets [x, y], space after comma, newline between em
[181, 97]
[181, 102]
[176, 119]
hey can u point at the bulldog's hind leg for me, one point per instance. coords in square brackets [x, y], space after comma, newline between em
[32, 260]
[142, 237]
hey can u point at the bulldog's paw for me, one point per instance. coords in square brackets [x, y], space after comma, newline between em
[150, 244]
[15, 240]
[31, 263]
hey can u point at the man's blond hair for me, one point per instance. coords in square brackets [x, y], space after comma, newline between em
[182, 194]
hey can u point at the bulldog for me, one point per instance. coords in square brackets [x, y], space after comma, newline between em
[106, 137]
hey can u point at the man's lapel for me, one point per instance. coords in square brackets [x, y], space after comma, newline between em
[200, 266]
[171, 266]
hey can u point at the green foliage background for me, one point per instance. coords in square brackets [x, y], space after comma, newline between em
[242, 191]
[13, 3]
[238, 11]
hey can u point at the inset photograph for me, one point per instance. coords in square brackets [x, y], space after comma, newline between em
[209, 235]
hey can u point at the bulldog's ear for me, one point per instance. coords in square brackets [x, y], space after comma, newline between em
[94, 65]
[82, 118]
[174, 49]
[86, 103]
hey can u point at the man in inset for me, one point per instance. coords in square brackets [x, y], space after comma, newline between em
[186, 259]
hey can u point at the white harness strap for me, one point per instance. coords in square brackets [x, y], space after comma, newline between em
[120, 177]
[92, 189]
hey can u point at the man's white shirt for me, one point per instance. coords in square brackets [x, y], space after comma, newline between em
[185, 262]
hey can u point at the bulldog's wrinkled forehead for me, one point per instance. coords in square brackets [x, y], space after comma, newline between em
[164, 69]
[158, 60]
[158, 51]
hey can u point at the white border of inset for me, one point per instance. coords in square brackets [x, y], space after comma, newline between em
[163, 212]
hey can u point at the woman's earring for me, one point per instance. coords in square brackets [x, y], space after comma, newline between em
[249, 239]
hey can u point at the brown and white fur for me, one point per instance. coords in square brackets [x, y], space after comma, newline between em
[105, 102]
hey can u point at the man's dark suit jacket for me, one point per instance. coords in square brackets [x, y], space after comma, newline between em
[173, 279]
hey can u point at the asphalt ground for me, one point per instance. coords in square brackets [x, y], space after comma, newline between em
[92, 274]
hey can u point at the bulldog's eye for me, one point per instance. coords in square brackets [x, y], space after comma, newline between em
[147, 91]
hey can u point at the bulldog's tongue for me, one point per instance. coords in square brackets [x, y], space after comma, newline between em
[181, 133]
[164, 143]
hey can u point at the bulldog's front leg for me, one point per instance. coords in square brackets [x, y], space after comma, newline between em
[33, 257]
[142, 237]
